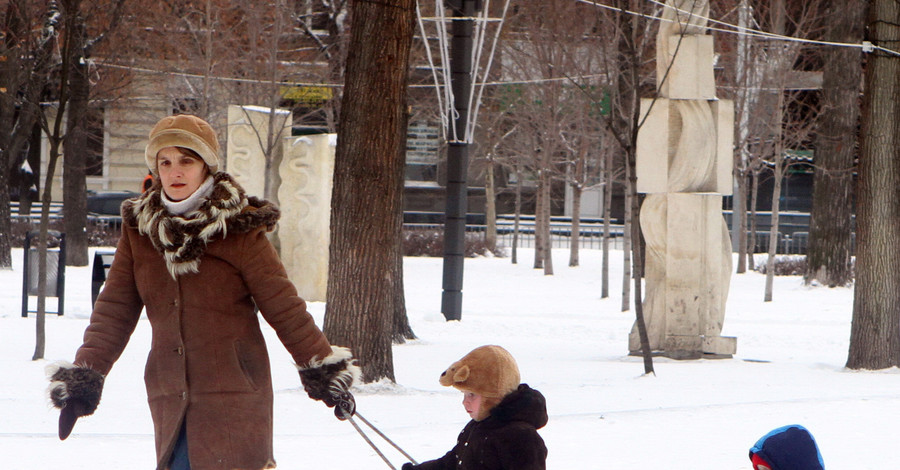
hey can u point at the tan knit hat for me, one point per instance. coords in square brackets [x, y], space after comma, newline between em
[184, 130]
[489, 371]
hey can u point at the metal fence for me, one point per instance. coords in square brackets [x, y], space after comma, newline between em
[590, 234]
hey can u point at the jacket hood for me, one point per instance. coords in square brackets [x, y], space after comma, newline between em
[524, 404]
[183, 239]
[789, 447]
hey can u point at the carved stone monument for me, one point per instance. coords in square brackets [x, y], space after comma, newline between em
[684, 164]
[304, 192]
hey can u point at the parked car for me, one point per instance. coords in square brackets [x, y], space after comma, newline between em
[106, 204]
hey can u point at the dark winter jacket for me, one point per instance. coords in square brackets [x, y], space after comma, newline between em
[789, 448]
[505, 440]
[201, 281]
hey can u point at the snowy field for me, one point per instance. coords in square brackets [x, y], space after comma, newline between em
[570, 344]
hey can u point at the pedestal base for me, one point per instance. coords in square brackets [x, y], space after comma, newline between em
[695, 347]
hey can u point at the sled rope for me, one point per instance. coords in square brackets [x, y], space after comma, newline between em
[383, 436]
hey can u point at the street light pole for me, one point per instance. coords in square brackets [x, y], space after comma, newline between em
[458, 155]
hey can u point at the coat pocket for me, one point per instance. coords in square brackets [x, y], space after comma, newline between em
[254, 363]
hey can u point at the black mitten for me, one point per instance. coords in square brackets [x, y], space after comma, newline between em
[407, 466]
[75, 391]
[330, 379]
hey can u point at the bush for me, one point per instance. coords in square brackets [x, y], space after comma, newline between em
[785, 266]
[430, 242]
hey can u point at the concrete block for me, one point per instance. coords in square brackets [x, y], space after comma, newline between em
[721, 346]
[723, 110]
[691, 74]
[652, 166]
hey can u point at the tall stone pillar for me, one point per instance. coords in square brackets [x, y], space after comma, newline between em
[684, 164]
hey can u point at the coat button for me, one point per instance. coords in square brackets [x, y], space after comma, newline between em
[184, 395]
[180, 350]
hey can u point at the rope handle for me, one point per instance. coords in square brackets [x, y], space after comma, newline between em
[383, 436]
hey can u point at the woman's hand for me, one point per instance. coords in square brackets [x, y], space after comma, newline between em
[75, 391]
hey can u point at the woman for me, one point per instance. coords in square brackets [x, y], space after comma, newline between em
[194, 253]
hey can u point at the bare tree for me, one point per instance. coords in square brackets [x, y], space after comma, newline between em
[28, 43]
[556, 43]
[83, 38]
[631, 46]
[54, 133]
[368, 182]
[875, 331]
[829, 252]
[789, 126]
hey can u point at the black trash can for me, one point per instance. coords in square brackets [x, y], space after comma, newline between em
[56, 270]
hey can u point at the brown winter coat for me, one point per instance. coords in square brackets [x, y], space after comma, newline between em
[208, 362]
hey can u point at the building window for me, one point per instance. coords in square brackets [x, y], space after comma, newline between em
[422, 151]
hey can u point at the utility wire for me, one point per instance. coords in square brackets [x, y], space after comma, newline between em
[866, 46]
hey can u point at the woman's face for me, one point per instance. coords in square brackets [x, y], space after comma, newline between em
[180, 173]
[472, 403]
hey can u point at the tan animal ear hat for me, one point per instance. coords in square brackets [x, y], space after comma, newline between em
[184, 130]
[489, 371]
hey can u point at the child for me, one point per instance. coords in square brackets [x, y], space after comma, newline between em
[505, 416]
[786, 448]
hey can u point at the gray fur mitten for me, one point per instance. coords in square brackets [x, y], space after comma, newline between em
[75, 390]
[330, 379]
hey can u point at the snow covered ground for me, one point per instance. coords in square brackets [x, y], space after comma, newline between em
[570, 344]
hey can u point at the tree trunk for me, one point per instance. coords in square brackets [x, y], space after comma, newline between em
[607, 214]
[627, 241]
[518, 214]
[577, 187]
[366, 206]
[40, 315]
[490, 206]
[538, 222]
[754, 200]
[75, 145]
[5, 219]
[828, 254]
[739, 220]
[400, 330]
[547, 236]
[742, 155]
[575, 233]
[773, 231]
[875, 330]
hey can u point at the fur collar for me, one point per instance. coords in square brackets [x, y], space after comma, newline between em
[182, 239]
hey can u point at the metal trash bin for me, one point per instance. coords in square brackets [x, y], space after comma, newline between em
[102, 261]
[56, 270]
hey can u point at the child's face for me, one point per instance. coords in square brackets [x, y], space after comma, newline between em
[472, 403]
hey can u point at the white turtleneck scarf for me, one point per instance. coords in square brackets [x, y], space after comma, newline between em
[190, 203]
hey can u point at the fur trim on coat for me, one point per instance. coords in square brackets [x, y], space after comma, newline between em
[182, 239]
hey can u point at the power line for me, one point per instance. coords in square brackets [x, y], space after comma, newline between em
[865, 46]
